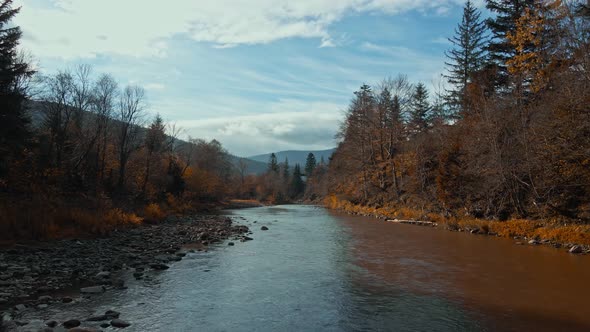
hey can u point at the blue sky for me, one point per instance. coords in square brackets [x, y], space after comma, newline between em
[258, 75]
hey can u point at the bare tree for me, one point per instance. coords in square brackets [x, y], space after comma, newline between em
[130, 117]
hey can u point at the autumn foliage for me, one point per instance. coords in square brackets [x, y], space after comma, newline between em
[515, 149]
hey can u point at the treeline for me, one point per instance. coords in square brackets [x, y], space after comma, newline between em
[80, 153]
[509, 136]
[283, 184]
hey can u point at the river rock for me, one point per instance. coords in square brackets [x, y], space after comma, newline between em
[112, 314]
[534, 242]
[51, 323]
[576, 249]
[159, 266]
[93, 290]
[230, 244]
[103, 275]
[71, 323]
[264, 228]
[120, 323]
[20, 307]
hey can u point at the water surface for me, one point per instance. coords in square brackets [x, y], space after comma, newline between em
[314, 270]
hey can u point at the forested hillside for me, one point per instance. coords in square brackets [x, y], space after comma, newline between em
[507, 137]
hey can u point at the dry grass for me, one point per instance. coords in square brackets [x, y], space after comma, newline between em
[39, 221]
[557, 232]
[153, 212]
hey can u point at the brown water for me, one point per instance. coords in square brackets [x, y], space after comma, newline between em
[513, 287]
[314, 270]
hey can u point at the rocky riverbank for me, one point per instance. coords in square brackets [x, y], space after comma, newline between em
[39, 275]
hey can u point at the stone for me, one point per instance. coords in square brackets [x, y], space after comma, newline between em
[112, 314]
[105, 325]
[67, 299]
[20, 307]
[576, 249]
[82, 329]
[93, 290]
[51, 323]
[230, 244]
[534, 242]
[159, 266]
[120, 323]
[264, 228]
[71, 323]
[103, 274]
[42, 306]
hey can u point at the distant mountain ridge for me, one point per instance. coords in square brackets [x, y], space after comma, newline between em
[295, 156]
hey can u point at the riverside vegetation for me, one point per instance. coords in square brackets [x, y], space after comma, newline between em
[503, 147]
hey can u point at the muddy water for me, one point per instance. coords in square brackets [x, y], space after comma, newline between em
[318, 271]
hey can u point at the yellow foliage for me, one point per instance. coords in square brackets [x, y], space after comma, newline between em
[579, 234]
[154, 212]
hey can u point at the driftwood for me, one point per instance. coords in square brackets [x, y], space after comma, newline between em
[414, 222]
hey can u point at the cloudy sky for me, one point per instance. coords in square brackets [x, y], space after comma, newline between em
[258, 75]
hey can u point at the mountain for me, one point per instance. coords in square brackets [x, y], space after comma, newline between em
[253, 167]
[295, 157]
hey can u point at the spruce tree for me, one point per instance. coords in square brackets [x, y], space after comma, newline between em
[297, 185]
[507, 14]
[419, 110]
[286, 170]
[273, 165]
[310, 164]
[467, 56]
[14, 72]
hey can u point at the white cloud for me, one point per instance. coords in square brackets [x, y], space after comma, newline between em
[86, 28]
[288, 124]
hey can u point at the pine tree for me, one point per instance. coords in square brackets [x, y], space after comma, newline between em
[467, 56]
[297, 185]
[507, 14]
[273, 165]
[14, 72]
[419, 110]
[286, 170]
[310, 164]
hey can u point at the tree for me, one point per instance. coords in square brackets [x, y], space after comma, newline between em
[273, 165]
[286, 170]
[467, 56]
[154, 144]
[105, 93]
[14, 131]
[420, 110]
[507, 14]
[131, 110]
[310, 164]
[297, 185]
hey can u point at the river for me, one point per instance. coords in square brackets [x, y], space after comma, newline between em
[315, 270]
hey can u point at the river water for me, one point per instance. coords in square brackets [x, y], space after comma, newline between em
[315, 270]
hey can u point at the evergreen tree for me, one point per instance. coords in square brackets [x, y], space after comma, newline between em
[310, 164]
[507, 14]
[297, 185]
[322, 161]
[14, 72]
[273, 165]
[419, 110]
[467, 56]
[286, 170]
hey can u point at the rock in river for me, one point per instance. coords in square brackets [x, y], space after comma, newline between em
[264, 228]
[119, 323]
[71, 323]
